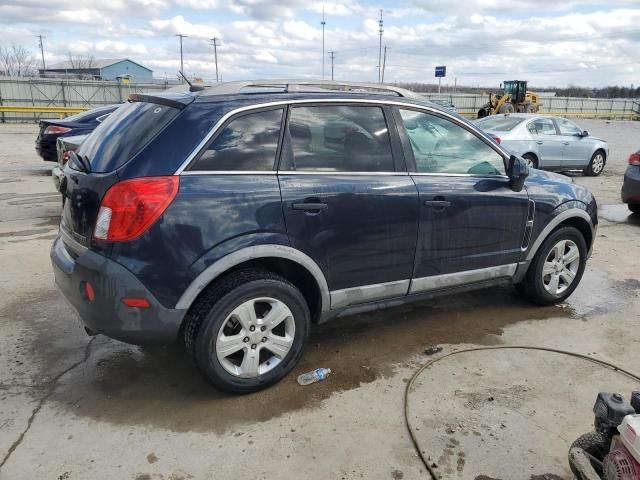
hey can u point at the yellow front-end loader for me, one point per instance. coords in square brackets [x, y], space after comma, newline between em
[514, 98]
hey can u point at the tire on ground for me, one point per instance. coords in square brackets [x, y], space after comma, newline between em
[532, 286]
[589, 171]
[634, 207]
[595, 444]
[211, 311]
[531, 159]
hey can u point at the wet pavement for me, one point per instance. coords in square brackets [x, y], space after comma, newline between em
[79, 407]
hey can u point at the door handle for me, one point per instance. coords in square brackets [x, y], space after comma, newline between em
[539, 142]
[437, 204]
[309, 206]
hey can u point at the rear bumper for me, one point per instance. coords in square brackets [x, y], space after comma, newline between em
[47, 151]
[111, 283]
[631, 186]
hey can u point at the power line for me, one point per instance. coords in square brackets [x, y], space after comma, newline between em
[181, 59]
[380, 49]
[323, 23]
[384, 63]
[41, 45]
[215, 55]
[332, 55]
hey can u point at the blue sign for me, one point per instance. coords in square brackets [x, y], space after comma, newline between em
[441, 71]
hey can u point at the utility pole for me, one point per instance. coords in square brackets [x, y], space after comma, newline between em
[455, 84]
[41, 45]
[323, 23]
[215, 55]
[181, 58]
[332, 56]
[384, 63]
[380, 50]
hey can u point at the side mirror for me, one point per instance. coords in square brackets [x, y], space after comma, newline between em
[585, 133]
[518, 171]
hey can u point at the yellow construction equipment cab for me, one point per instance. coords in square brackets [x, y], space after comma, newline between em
[514, 98]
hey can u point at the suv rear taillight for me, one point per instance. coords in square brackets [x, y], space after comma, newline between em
[130, 207]
[634, 158]
[55, 129]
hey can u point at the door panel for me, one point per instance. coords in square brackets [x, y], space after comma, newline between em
[346, 203]
[367, 232]
[483, 225]
[548, 142]
[470, 220]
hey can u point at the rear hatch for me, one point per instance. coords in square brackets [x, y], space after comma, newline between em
[92, 169]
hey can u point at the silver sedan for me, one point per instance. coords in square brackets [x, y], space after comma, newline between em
[548, 143]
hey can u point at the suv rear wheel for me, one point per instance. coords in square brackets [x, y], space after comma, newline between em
[557, 267]
[248, 330]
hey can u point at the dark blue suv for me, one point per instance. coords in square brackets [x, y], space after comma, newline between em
[236, 216]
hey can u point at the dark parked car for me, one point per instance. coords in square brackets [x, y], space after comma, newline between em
[237, 220]
[82, 123]
[631, 185]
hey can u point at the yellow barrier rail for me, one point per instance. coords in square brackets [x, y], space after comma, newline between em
[58, 110]
[605, 115]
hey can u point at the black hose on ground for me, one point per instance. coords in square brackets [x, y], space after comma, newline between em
[410, 383]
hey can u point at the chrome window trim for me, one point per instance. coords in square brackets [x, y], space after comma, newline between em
[436, 282]
[340, 173]
[426, 174]
[368, 293]
[230, 172]
[354, 101]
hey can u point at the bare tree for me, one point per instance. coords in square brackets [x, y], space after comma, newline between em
[17, 61]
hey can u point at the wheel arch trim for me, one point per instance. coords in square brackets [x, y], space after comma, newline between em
[553, 223]
[251, 253]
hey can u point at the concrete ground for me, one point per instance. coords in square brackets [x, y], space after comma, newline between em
[72, 407]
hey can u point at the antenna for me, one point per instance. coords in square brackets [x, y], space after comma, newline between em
[192, 87]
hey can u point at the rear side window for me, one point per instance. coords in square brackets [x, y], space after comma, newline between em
[542, 126]
[247, 143]
[124, 133]
[340, 139]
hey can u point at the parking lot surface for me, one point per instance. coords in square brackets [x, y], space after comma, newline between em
[72, 406]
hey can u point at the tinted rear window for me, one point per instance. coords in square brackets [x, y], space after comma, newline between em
[89, 114]
[124, 133]
[500, 124]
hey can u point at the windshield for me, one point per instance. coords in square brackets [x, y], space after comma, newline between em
[124, 133]
[499, 124]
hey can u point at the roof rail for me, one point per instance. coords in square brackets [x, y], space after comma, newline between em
[300, 86]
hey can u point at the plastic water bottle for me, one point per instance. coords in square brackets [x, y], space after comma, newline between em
[314, 376]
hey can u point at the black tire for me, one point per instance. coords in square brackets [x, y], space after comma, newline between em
[532, 286]
[530, 157]
[589, 171]
[212, 309]
[595, 444]
[483, 112]
[635, 208]
[506, 108]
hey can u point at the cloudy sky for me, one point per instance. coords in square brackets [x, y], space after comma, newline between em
[549, 42]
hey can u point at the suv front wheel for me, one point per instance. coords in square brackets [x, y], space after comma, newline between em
[248, 330]
[557, 267]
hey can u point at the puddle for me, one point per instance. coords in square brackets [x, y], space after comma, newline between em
[38, 200]
[124, 384]
[619, 213]
[25, 233]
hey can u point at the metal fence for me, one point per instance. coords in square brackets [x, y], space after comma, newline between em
[86, 94]
[469, 104]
